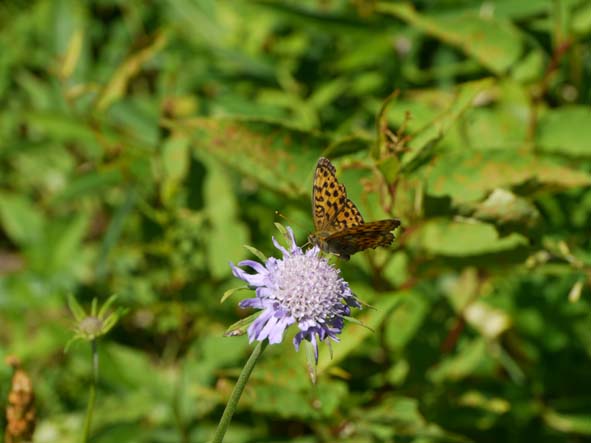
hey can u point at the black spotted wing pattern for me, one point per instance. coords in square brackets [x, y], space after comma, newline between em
[339, 226]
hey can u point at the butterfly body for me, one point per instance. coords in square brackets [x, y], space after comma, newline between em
[339, 226]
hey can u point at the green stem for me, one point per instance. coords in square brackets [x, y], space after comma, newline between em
[92, 395]
[176, 408]
[237, 392]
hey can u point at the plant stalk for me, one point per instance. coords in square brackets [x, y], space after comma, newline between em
[92, 394]
[237, 392]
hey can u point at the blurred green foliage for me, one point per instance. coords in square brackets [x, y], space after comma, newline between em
[143, 143]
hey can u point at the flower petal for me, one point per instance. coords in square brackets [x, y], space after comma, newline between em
[281, 248]
[294, 247]
[254, 302]
[302, 288]
[315, 346]
[268, 329]
[264, 292]
[251, 279]
[254, 330]
[254, 265]
[297, 340]
[276, 334]
[306, 324]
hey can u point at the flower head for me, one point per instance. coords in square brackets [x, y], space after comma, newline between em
[95, 324]
[301, 288]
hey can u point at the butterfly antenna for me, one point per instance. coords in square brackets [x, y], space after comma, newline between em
[279, 214]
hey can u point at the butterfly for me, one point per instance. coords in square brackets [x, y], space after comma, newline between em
[339, 226]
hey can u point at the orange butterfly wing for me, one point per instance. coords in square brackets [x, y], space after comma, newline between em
[339, 226]
[333, 211]
[365, 236]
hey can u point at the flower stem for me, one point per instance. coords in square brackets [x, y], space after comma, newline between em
[237, 392]
[92, 395]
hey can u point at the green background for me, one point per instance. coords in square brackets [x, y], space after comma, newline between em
[142, 144]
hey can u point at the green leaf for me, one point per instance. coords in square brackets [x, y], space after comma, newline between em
[59, 126]
[227, 234]
[230, 292]
[574, 295]
[258, 254]
[467, 175]
[114, 231]
[496, 44]
[20, 219]
[117, 85]
[581, 22]
[106, 306]
[66, 245]
[94, 307]
[490, 322]
[422, 143]
[500, 119]
[273, 155]
[568, 423]
[281, 229]
[90, 184]
[405, 320]
[396, 416]
[353, 335]
[507, 210]
[72, 53]
[530, 68]
[282, 379]
[477, 399]
[175, 161]
[458, 239]
[461, 365]
[389, 168]
[76, 309]
[566, 131]
[240, 327]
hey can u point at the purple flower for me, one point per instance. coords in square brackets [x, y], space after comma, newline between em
[301, 288]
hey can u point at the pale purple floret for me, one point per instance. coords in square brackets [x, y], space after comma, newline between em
[301, 288]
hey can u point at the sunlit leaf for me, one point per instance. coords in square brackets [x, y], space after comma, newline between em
[467, 176]
[565, 131]
[496, 44]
